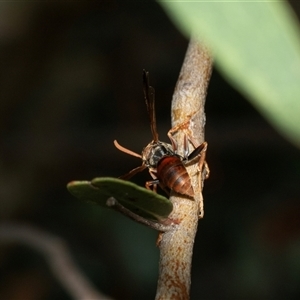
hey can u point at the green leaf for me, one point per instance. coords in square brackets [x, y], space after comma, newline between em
[139, 200]
[256, 45]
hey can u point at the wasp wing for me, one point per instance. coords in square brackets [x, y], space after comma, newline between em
[149, 94]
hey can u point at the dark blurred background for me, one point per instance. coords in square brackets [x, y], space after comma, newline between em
[71, 83]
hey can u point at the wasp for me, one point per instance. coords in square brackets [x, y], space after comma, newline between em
[166, 166]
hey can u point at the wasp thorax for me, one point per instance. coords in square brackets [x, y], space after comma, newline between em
[154, 152]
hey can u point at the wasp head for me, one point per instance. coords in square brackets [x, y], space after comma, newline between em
[155, 151]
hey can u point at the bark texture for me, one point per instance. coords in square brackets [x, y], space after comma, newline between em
[176, 245]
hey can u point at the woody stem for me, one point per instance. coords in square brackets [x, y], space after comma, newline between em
[176, 245]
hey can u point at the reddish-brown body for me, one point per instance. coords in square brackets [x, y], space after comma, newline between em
[172, 173]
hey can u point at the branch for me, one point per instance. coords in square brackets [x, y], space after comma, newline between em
[176, 246]
[58, 257]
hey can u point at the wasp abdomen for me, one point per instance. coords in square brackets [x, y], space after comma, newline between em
[172, 173]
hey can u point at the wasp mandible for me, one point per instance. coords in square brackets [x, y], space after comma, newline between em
[166, 166]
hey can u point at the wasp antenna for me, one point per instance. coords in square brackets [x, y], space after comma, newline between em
[125, 150]
[149, 94]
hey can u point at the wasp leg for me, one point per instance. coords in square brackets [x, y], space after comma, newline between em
[173, 142]
[206, 170]
[201, 209]
[202, 164]
[203, 169]
[133, 172]
[175, 129]
[178, 127]
[200, 154]
[155, 182]
[152, 183]
[188, 136]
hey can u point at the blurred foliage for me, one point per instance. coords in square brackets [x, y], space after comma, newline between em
[71, 83]
[256, 45]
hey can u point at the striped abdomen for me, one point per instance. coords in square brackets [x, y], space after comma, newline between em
[172, 173]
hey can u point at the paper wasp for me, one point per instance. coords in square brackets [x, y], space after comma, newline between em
[166, 167]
